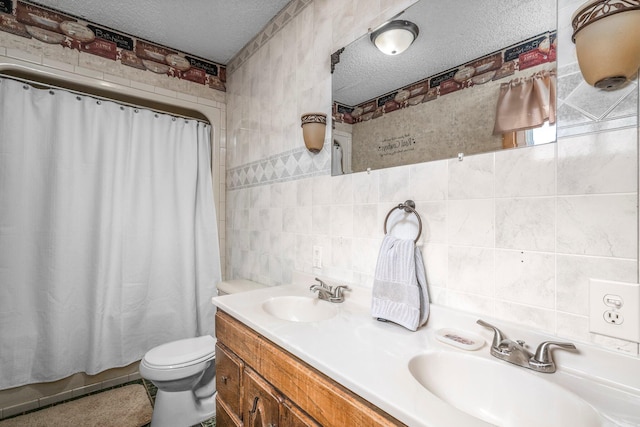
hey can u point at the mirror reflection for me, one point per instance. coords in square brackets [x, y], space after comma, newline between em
[479, 77]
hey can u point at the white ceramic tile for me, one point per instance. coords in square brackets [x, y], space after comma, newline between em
[533, 317]
[526, 172]
[434, 221]
[89, 72]
[435, 258]
[471, 222]
[526, 223]
[364, 254]
[598, 163]
[395, 185]
[142, 86]
[59, 65]
[342, 189]
[482, 306]
[58, 397]
[341, 252]
[526, 277]
[598, 225]
[321, 221]
[304, 196]
[365, 187]
[574, 272]
[18, 409]
[341, 221]
[471, 178]
[572, 327]
[24, 56]
[167, 92]
[471, 270]
[365, 219]
[429, 180]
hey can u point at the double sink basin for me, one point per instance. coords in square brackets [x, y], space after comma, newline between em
[482, 389]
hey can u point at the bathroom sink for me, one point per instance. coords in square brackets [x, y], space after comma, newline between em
[500, 393]
[300, 309]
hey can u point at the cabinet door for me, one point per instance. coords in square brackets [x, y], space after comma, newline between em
[223, 417]
[292, 416]
[261, 403]
[228, 374]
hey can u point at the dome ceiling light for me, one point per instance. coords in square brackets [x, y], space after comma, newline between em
[395, 37]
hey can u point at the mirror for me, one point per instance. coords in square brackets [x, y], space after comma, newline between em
[439, 99]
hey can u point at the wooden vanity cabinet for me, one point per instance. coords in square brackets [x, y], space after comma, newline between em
[276, 389]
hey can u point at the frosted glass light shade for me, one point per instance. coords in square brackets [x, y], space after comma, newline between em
[313, 130]
[395, 37]
[607, 38]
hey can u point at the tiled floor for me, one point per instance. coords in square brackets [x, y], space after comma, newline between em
[151, 392]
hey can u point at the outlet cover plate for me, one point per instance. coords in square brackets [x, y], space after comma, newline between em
[629, 293]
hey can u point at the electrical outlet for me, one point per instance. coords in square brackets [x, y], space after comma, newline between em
[614, 309]
[317, 256]
[613, 317]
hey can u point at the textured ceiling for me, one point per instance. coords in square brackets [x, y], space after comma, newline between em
[451, 34]
[211, 29]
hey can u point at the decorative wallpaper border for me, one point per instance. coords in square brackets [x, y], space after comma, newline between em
[289, 12]
[293, 164]
[528, 53]
[52, 27]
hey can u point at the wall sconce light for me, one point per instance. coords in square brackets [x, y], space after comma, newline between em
[313, 129]
[607, 38]
[395, 37]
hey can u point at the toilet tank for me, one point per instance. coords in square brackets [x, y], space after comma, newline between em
[238, 285]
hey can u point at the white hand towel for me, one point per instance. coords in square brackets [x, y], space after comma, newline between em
[400, 286]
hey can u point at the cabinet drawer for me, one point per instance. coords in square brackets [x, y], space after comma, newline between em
[228, 373]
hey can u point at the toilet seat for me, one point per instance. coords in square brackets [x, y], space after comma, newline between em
[181, 353]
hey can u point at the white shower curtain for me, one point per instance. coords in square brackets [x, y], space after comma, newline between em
[108, 235]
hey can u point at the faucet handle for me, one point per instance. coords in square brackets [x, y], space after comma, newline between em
[338, 290]
[498, 336]
[323, 285]
[543, 352]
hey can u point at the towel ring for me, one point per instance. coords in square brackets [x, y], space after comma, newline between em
[409, 207]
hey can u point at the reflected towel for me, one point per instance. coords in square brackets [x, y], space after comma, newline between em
[400, 285]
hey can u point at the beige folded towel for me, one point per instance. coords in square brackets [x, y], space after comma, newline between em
[400, 285]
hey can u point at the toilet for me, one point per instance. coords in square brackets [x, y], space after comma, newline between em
[184, 371]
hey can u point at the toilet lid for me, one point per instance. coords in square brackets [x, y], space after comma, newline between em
[181, 352]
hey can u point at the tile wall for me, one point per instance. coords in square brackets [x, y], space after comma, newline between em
[514, 235]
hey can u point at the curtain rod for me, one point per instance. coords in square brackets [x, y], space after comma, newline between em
[129, 101]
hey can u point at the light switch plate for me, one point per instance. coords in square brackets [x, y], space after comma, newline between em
[614, 309]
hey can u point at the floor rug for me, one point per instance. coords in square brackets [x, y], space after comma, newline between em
[127, 406]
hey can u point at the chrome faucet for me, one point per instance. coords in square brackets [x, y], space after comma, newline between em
[329, 293]
[516, 353]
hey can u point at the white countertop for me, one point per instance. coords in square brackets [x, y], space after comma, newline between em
[370, 357]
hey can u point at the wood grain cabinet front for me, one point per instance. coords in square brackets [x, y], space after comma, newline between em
[276, 389]
[261, 402]
[228, 384]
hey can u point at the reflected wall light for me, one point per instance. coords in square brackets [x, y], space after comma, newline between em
[395, 37]
[607, 38]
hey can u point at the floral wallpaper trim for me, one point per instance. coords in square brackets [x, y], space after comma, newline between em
[526, 54]
[277, 22]
[52, 27]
